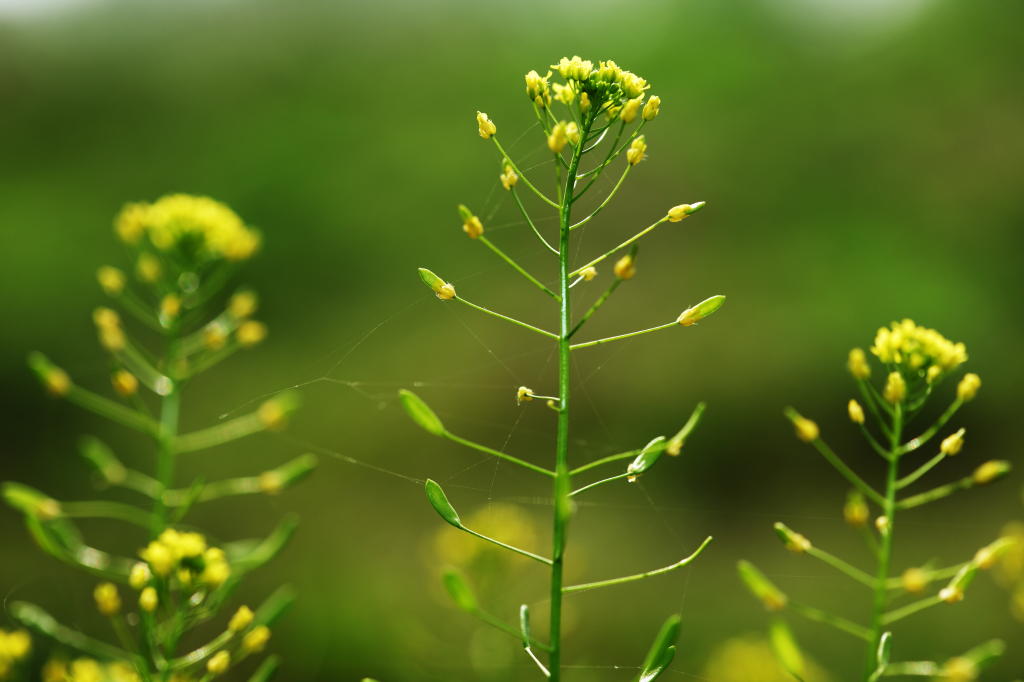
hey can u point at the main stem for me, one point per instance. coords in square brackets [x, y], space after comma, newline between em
[169, 408]
[563, 479]
[885, 546]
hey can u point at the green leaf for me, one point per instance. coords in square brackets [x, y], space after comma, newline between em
[762, 588]
[248, 555]
[440, 503]
[102, 459]
[662, 649]
[786, 648]
[35, 618]
[274, 606]
[30, 501]
[421, 413]
[647, 457]
[459, 591]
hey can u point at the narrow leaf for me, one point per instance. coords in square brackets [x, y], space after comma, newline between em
[786, 648]
[655, 662]
[459, 591]
[647, 457]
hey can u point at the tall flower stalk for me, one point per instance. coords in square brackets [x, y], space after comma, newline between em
[186, 250]
[602, 110]
[916, 360]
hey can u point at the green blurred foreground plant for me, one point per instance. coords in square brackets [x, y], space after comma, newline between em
[599, 104]
[186, 249]
[916, 362]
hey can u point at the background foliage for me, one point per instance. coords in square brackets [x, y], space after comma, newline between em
[862, 163]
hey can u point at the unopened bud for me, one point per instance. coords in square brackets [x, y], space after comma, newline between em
[215, 336]
[559, 137]
[762, 588]
[987, 556]
[584, 102]
[274, 413]
[443, 290]
[111, 280]
[256, 639]
[703, 309]
[508, 176]
[572, 131]
[54, 379]
[677, 213]
[990, 471]
[858, 365]
[630, 109]
[882, 524]
[895, 388]
[806, 430]
[241, 620]
[636, 151]
[523, 394]
[148, 268]
[485, 125]
[588, 273]
[794, 542]
[625, 267]
[250, 333]
[170, 307]
[219, 663]
[124, 382]
[652, 108]
[856, 412]
[856, 511]
[932, 374]
[914, 580]
[149, 600]
[108, 601]
[140, 575]
[242, 305]
[968, 387]
[471, 224]
[953, 443]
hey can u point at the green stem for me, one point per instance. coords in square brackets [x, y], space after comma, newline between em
[910, 609]
[518, 268]
[841, 566]
[619, 337]
[920, 471]
[529, 221]
[628, 454]
[585, 488]
[116, 412]
[511, 548]
[847, 472]
[607, 199]
[639, 576]
[915, 443]
[522, 176]
[597, 304]
[621, 246]
[167, 436]
[496, 453]
[563, 479]
[837, 622]
[881, 601]
[936, 493]
[507, 318]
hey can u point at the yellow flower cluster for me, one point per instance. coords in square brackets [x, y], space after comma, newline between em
[14, 646]
[918, 348]
[90, 670]
[188, 554]
[182, 219]
[605, 84]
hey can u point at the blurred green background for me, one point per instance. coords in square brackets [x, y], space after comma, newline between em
[862, 161]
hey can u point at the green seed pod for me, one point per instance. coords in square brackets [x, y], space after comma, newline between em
[441, 504]
[646, 459]
[793, 541]
[443, 290]
[30, 501]
[420, 412]
[662, 650]
[762, 588]
[786, 648]
[703, 309]
[103, 459]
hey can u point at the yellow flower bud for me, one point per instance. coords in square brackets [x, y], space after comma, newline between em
[858, 364]
[951, 595]
[216, 573]
[443, 290]
[215, 336]
[856, 511]
[139, 576]
[148, 600]
[559, 137]
[108, 601]
[953, 443]
[148, 268]
[508, 177]
[564, 93]
[856, 412]
[170, 307]
[630, 109]
[242, 305]
[990, 471]
[271, 482]
[572, 131]
[537, 88]
[677, 213]
[652, 108]
[588, 273]
[55, 380]
[968, 387]
[124, 382]
[241, 620]
[523, 394]
[159, 558]
[272, 415]
[219, 663]
[959, 669]
[584, 102]
[131, 222]
[895, 388]
[794, 542]
[486, 126]
[933, 373]
[806, 430]
[256, 639]
[111, 280]
[473, 227]
[636, 151]
[625, 267]
[914, 580]
[250, 333]
[882, 524]
[105, 318]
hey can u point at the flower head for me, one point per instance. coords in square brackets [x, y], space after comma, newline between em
[637, 150]
[485, 125]
[917, 348]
